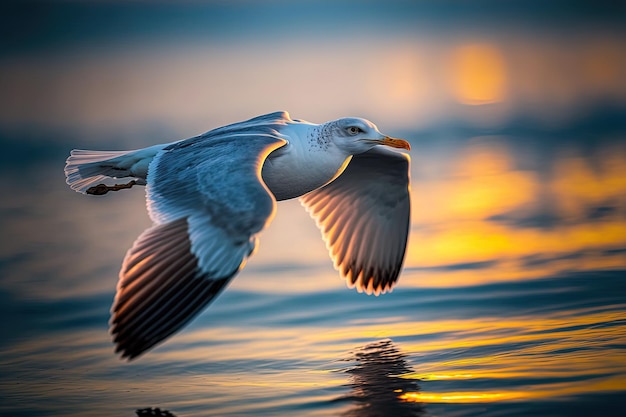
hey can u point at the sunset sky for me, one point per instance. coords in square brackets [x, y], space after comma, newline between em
[193, 65]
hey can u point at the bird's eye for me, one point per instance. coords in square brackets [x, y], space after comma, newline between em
[354, 130]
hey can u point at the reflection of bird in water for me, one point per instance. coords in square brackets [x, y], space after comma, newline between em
[153, 412]
[209, 197]
[377, 384]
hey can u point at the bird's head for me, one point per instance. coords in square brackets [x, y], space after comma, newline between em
[355, 135]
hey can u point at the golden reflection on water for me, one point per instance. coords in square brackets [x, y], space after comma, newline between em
[456, 215]
[571, 345]
[545, 391]
[541, 349]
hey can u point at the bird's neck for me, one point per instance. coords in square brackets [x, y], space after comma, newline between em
[309, 161]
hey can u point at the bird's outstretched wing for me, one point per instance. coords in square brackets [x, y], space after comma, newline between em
[364, 216]
[208, 202]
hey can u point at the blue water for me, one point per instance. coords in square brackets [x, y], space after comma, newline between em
[528, 318]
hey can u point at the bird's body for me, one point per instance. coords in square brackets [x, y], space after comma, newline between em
[209, 197]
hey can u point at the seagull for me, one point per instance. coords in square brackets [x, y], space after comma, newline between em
[211, 195]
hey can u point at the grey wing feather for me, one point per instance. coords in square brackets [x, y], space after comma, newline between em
[364, 216]
[208, 202]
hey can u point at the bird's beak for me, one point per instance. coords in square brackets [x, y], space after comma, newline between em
[395, 143]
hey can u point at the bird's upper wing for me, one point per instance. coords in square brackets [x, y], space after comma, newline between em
[208, 201]
[364, 217]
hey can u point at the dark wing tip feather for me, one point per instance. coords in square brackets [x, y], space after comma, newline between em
[155, 301]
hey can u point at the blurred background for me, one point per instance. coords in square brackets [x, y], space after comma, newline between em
[512, 297]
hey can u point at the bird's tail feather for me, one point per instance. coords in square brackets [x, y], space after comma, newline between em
[85, 169]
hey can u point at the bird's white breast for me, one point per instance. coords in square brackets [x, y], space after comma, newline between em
[309, 161]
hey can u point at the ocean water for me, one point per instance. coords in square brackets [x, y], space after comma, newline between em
[512, 301]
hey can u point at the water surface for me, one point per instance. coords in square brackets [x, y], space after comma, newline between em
[512, 300]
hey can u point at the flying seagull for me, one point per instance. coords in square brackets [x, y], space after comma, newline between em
[210, 196]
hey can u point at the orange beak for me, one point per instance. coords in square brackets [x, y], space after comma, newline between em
[395, 143]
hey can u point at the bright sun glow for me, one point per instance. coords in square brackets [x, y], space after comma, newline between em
[478, 74]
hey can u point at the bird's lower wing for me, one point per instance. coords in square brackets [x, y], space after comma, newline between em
[364, 216]
[208, 202]
[161, 288]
